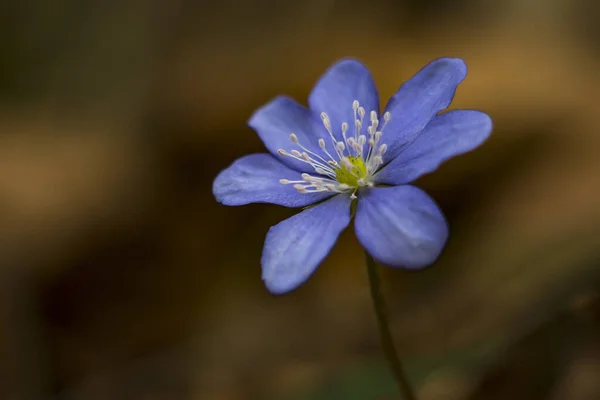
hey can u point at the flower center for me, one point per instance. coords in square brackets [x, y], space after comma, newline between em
[351, 172]
[347, 164]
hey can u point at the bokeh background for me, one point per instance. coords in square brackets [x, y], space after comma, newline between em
[122, 278]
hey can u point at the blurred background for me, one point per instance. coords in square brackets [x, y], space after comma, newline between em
[122, 278]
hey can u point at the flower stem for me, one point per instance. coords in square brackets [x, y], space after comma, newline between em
[384, 331]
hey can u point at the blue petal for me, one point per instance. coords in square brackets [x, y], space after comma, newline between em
[418, 100]
[276, 120]
[255, 179]
[334, 93]
[400, 226]
[448, 135]
[295, 247]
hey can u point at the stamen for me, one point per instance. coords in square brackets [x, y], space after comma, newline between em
[361, 113]
[386, 118]
[361, 117]
[345, 129]
[322, 146]
[347, 163]
[327, 124]
[338, 172]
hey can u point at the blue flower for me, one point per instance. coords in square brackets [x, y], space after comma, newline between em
[339, 150]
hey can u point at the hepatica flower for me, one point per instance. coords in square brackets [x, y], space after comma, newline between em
[341, 150]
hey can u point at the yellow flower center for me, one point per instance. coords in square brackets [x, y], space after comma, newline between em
[352, 173]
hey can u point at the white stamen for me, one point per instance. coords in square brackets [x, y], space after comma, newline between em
[326, 121]
[361, 113]
[344, 127]
[347, 163]
[326, 165]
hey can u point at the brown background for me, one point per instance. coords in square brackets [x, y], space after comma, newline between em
[122, 278]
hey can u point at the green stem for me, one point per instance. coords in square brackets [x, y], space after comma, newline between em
[384, 331]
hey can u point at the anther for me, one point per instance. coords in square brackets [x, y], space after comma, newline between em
[325, 119]
[322, 144]
[282, 152]
[361, 112]
[347, 163]
[382, 149]
[345, 127]
[296, 153]
[355, 105]
[387, 116]
[293, 137]
[340, 146]
[373, 116]
[284, 181]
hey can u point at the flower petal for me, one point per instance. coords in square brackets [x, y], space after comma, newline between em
[448, 135]
[334, 93]
[400, 226]
[282, 116]
[295, 247]
[255, 179]
[419, 99]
